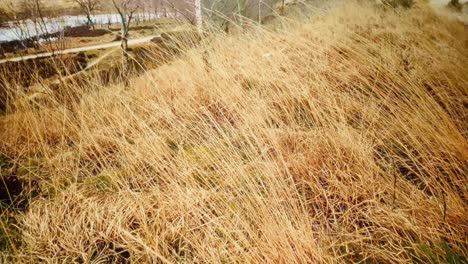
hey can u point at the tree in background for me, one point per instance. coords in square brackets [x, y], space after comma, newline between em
[39, 14]
[26, 22]
[282, 8]
[198, 15]
[222, 13]
[88, 7]
[126, 10]
[190, 10]
[241, 5]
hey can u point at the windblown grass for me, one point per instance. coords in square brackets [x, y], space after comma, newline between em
[337, 140]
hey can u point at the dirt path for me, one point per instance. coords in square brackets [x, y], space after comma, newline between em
[76, 50]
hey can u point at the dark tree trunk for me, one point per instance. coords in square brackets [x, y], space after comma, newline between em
[90, 21]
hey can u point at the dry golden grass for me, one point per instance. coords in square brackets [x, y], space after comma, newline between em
[337, 140]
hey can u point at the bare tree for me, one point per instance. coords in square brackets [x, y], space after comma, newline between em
[126, 10]
[282, 7]
[183, 9]
[26, 23]
[240, 10]
[14, 20]
[224, 13]
[198, 15]
[88, 7]
[260, 14]
[39, 14]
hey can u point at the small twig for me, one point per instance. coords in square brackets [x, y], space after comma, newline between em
[444, 202]
[394, 189]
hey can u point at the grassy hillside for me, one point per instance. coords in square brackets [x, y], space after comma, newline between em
[338, 139]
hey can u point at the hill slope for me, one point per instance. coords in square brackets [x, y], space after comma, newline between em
[340, 139]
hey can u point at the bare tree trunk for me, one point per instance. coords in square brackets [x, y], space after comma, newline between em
[109, 22]
[37, 44]
[240, 10]
[124, 44]
[198, 16]
[88, 17]
[260, 11]
[90, 20]
[88, 7]
[126, 12]
[43, 23]
[21, 31]
[125, 58]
